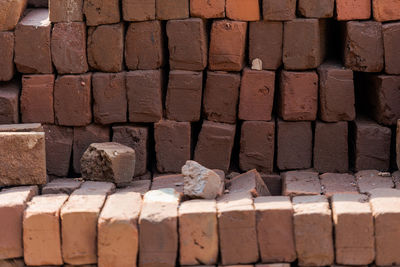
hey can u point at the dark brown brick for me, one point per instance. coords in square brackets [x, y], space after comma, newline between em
[316, 8]
[172, 9]
[7, 68]
[66, 11]
[9, 104]
[279, 10]
[98, 12]
[391, 41]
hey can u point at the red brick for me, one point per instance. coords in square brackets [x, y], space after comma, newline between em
[227, 45]
[353, 10]
[279, 10]
[10, 13]
[214, 146]
[243, 10]
[138, 10]
[23, 127]
[105, 47]
[98, 12]
[338, 183]
[109, 95]
[172, 145]
[256, 95]
[184, 94]
[37, 98]
[72, 100]
[207, 9]
[299, 183]
[32, 43]
[9, 102]
[144, 92]
[391, 41]
[398, 146]
[221, 96]
[257, 143]
[68, 47]
[265, 43]
[66, 11]
[304, 44]
[316, 8]
[298, 99]
[187, 43]
[144, 45]
[386, 10]
[336, 93]
[7, 56]
[172, 9]
[368, 180]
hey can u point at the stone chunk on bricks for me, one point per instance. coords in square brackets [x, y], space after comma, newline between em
[313, 231]
[386, 10]
[41, 230]
[198, 232]
[10, 13]
[338, 183]
[279, 10]
[138, 10]
[66, 11]
[144, 45]
[98, 12]
[172, 9]
[61, 186]
[299, 183]
[243, 10]
[275, 229]
[227, 45]
[9, 102]
[22, 127]
[37, 98]
[105, 47]
[13, 202]
[354, 229]
[391, 43]
[79, 218]
[368, 180]
[68, 47]
[353, 10]
[316, 8]
[118, 230]
[110, 162]
[7, 56]
[207, 9]
[32, 43]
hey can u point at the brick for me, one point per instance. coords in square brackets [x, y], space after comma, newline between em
[367, 180]
[138, 10]
[184, 94]
[58, 149]
[140, 186]
[68, 47]
[144, 92]
[353, 10]
[386, 10]
[61, 186]
[273, 182]
[273, 265]
[109, 97]
[363, 46]
[336, 93]
[158, 223]
[214, 146]
[32, 43]
[338, 183]
[316, 8]
[298, 99]
[243, 10]
[105, 47]
[391, 42]
[294, 144]
[79, 218]
[198, 232]
[314, 245]
[9, 102]
[23, 127]
[174, 181]
[12, 263]
[304, 44]
[98, 12]
[354, 229]
[72, 100]
[7, 68]
[83, 137]
[41, 230]
[275, 240]
[37, 98]
[265, 43]
[279, 10]
[221, 95]
[187, 44]
[66, 11]
[331, 147]
[144, 45]
[172, 9]
[398, 144]
[385, 205]
[249, 184]
[237, 247]
[207, 9]
[118, 231]
[299, 183]
[370, 145]
[257, 92]
[10, 14]
[136, 137]
[257, 144]
[227, 45]
[23, 158]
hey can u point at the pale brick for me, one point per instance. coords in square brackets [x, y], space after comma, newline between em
[370, 179]
[297, 183]
[62, 185]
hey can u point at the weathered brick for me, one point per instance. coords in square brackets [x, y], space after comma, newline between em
[7, 55]
[140, 186]
[391, 42]
[98, 12]
[207, 9]
[337, 183]
[279, 10]
[138, 10]
[249, 184]
[316, 8]
[162, 181]
[367, 180]
[22, 127]
[66, 11]
[386, 10]
[61, 186]
[243, 10]
[172, 9]
[10, 13]
[353, 10]
[298, 183]
[9, 102]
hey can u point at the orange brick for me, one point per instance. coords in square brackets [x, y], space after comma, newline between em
[207, 9]
[243, 10]
[353, 9]
[385, 10]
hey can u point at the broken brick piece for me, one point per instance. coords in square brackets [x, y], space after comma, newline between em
[249, 183]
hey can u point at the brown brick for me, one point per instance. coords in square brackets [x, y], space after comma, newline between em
[207, 9]
[316, 8]
[109, 95]
[10, 13]
[162, 181]
[221, 96]
[38, 3]
[265, 43]
[68, 47]
[273, 182]
[279, 10]
[138, 10]
[249, 184]
[66, 11]
[144, 45]
[23, 127]
[299, 183]
[105, 47]
[243, 10]
[144, 92]
[368, 180]
[172, 9]
[61, 186]
[72, 100]
[13, 263]
[187, 43]
[9, 102]
[7, 55]
[353, 10]
[98, 12]
[32, 43]
[37, 98]
[140, 186]
[227, 45]
[257, 144]
[338, 183]
[391, 42]
[386, 10]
